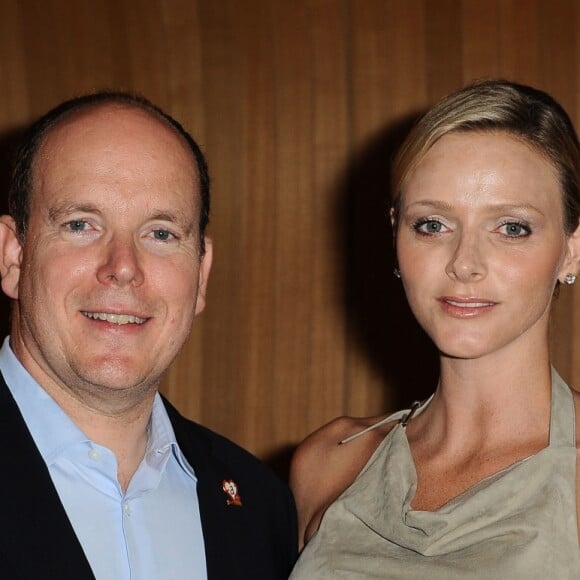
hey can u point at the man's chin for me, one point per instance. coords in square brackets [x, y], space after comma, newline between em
[120, 376]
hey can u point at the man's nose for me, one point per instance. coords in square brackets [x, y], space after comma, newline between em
[121, 263]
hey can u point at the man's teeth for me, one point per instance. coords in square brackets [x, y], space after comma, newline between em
[115, 318]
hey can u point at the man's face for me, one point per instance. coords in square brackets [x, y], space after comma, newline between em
[109, 277]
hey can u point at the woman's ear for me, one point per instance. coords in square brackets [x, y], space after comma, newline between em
[394, 224]
[571, 265]
[393, 220]
[10, 256]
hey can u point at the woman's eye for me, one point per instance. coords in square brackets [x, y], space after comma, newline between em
[515, 230]
[429, 226]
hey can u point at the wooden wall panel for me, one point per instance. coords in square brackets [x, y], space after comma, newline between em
[299, 107]
[330, 140]
[256, 286]
[14, 103]
[185, 93]
[480, 39]
[519, 41]
[370, 111]
[295, 222]
[222, 345]
[407, 62]
[444, 37]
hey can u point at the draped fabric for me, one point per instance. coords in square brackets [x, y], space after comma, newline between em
[519, 523]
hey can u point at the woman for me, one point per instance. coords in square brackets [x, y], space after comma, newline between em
[480, 480]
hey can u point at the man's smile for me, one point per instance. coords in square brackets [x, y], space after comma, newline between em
[115, 318]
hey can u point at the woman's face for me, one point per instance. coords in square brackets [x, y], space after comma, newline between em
[481, 243]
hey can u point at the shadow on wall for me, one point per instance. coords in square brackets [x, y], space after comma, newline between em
[380, 321]
[9, 140]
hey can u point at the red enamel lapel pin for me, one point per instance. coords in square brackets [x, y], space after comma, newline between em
[231, 489]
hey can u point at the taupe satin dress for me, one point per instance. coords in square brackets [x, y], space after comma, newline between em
[517, 524]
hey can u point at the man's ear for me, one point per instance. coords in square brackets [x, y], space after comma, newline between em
[204, 269]
[10, 256]
[572, 261]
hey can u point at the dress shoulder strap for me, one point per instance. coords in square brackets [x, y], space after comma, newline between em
[403, 418]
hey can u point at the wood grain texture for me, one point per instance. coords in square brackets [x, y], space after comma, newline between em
[299, 107]
[296, 232]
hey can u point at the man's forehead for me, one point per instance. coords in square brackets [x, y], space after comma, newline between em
[118, 129]
[107, 117]
[111, 143]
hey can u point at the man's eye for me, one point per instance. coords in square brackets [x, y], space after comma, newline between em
[76, 225]
[162, 235]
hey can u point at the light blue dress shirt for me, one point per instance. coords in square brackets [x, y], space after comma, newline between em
[150, 532]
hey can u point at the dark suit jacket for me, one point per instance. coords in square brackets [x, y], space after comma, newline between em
[254, 541]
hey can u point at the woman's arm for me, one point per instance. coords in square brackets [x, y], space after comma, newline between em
[322, 468]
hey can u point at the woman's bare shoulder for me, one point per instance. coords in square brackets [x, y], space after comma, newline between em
[341, 428]
[322, 468]
[325, 443]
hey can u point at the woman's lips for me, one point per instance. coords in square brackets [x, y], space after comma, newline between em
[466, 307]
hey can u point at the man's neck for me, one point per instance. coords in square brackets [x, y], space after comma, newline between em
[124, 433]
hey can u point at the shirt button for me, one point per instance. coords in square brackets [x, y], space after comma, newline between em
[126, 508]
[94, 454]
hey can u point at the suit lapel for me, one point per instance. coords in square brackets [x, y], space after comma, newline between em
[40, 541]
[36, 536]
[225, 528]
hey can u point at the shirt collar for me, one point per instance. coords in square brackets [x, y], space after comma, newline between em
[162, 439]
[54, 431]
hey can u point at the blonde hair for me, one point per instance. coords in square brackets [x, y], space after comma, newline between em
[499, 105]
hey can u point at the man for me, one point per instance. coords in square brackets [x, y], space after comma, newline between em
[105, 259]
